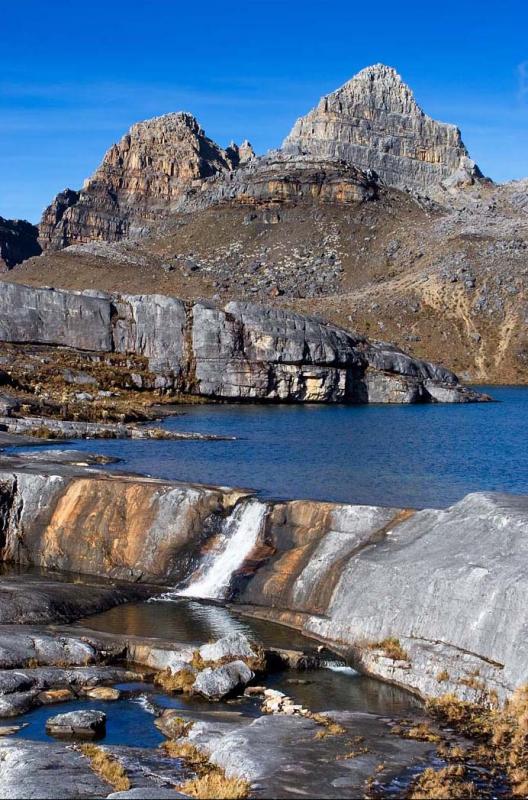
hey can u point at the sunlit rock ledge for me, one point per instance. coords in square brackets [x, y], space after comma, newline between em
[431, 600]
[241, 352]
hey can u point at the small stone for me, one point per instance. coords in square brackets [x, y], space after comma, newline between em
[77, 725]
[55, 696]
[83, 397]
[103, 693]
[10, 730]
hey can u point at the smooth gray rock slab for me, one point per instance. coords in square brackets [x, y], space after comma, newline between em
[222, 681]
[451, 585]
[46, 771]
[243, 351]
[283, 758]
[77, 725]
[50, 316]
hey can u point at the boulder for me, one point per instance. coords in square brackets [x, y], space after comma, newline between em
[77, 725]
[234, 646]
[52, 696]
[219, 682]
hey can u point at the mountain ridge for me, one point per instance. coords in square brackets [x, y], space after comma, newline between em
[430, 267]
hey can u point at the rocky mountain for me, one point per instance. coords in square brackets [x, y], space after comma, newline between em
[374, 122]
[371, 214]
[138, 182]
[18, 241]
[368, 132]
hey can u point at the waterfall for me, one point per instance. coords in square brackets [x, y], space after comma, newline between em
[239, 536]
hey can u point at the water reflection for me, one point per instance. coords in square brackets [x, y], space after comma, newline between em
[189, 622]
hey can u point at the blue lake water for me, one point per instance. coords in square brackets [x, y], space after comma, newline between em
[401, 455]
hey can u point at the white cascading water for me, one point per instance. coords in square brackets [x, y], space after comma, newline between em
[239, 537]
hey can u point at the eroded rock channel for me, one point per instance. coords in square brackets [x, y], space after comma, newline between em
[102, 610]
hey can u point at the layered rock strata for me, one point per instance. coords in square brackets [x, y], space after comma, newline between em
[241, 352]
[374, 122]
[370, 129]
[138, 180]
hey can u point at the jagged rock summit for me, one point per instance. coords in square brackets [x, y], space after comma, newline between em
[375, 123]
[138, 180]
[370, 129]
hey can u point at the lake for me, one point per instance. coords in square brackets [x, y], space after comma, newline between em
[393, 455]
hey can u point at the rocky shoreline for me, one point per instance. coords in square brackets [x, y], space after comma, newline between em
[57, 342]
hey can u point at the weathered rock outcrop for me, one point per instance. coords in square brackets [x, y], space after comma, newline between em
[374, 122]
[56, 771]
[241, 352]
[18, 241]
[136, 530]
[139, 180]
[440, 583]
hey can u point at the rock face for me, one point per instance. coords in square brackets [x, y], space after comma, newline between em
[374, 122]
[18, 241]
[360, 577]
[241, 352]
[75, 524]
[139, 179]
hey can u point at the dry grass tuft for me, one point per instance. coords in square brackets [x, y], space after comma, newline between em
[391, 648]
[194, 757]
[468, 718]
[503, 732]
[108, 767]
[441, 784]
[215, 785]
[198, 663]
[421, 732]
[181, 681]
[329, 726]
[510, 737]
[210, 783]
[358, 749]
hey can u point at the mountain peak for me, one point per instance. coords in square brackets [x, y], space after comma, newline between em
[374, 122]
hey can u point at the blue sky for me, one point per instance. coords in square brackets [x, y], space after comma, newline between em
[74, 76]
